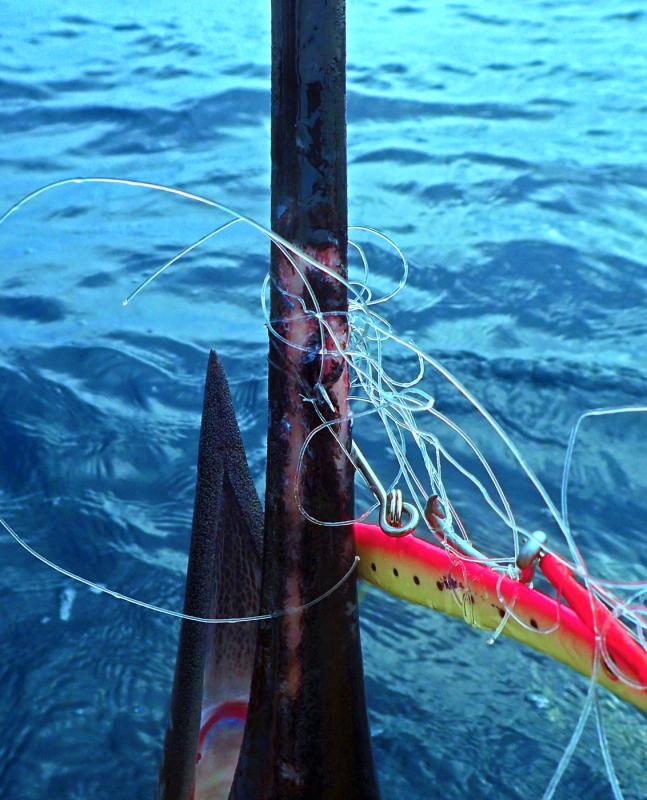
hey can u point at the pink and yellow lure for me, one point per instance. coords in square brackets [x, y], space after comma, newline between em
[425, 574]
[428, 575]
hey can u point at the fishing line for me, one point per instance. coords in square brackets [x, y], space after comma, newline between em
[374, 328]
[358, 339]
[98, 587]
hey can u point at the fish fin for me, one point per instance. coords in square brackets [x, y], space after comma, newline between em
[223, 580]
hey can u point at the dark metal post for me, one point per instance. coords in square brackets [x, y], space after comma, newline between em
[307, 731]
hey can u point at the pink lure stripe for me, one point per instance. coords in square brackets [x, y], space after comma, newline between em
[621, 647]
[425, 574]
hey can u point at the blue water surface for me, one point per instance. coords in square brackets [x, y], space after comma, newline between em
[502, 145]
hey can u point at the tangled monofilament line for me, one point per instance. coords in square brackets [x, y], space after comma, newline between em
[402, 406]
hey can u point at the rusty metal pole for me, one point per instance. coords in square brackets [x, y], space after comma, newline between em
[307, 733]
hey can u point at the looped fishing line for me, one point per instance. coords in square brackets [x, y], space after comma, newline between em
[396, 408]
[169, 611]
[399, 404]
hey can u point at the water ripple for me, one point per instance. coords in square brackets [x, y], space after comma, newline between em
[504, 146]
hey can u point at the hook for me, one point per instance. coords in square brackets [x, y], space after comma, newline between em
[397, 518]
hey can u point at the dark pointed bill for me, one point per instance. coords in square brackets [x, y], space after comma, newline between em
[214, 662]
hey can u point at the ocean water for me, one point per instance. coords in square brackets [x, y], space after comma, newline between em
[502, 146]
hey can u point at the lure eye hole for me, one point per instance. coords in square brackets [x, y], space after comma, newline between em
[408, 522]
[530, 549]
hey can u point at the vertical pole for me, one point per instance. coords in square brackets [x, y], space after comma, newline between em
[307, 732]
